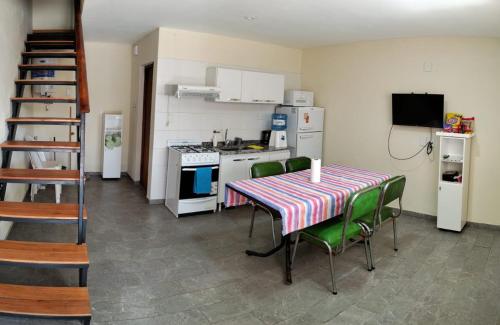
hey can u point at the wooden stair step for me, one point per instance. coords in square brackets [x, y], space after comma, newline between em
[49, 54]
[37, 301]
[60, 67]
[28, 253]
[54, 30]
[50, 44]
[46, 100]
[47, 34]
[39, 176]
[40, 212]
[15, 145]
[46, 82]
[44, 120]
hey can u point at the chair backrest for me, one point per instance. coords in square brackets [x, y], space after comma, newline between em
[393, 189]
[36, 157]
[297, 164]
[36, 162]
[360, 204]
[268, 168]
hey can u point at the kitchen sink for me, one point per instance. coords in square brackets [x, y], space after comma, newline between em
[230, 148]
[236, 148]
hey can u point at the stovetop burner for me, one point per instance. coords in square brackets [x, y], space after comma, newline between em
[193, 149]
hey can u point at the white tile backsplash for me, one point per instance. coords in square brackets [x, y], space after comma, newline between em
[196, 118]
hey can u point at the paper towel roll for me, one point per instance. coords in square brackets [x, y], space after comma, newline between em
[316, 170]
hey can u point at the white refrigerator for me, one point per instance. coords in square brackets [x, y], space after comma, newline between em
[304, 130]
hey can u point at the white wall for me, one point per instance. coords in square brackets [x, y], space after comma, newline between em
[148, 53]
[195, 118]
[59, 132]
[355, 82]
[53, 14]
[182, 56]
[15, 23]
[109, 78]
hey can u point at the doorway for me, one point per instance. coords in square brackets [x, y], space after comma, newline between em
[146, 124]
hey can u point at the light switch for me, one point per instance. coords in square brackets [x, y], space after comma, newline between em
[427, 66]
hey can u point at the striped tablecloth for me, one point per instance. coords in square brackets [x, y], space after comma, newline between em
[300, 202]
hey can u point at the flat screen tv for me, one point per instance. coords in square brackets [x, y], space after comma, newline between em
[418, 110]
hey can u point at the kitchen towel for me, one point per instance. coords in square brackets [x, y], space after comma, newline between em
[202, 180]
[316, 170]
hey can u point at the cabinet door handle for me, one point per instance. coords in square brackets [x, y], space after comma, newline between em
[194, 169]
[306, 136]
[256, 100]
[440, 188]
[234, 99]
[256, 158]
[270, 101]
[239, 159]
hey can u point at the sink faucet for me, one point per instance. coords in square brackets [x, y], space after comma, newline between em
[226, 140]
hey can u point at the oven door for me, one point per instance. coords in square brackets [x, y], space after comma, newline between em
[187, 183]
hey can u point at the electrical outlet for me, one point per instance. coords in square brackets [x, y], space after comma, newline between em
[428, 67]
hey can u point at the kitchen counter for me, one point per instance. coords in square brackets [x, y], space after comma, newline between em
[243, 149]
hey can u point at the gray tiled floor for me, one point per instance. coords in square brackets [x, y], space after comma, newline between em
[148, 267]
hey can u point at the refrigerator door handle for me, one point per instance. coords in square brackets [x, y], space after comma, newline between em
[305, 136]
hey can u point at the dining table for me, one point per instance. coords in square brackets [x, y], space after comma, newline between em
[300, 203]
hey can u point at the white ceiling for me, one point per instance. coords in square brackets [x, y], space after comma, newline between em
[295, 23]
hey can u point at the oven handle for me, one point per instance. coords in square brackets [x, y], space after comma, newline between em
[194, 169]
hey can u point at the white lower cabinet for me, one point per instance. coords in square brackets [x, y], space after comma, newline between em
[237, 167]
[451, 209]
[282, 156]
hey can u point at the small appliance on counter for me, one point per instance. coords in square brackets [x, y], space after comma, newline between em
[265, 137]
[299, 98]
[192, 178]
[278, 137]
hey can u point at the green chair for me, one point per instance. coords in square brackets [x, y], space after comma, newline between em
[265, 169]
[392, 190]
[297, 164]
[338, 234]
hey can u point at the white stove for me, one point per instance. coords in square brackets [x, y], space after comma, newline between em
[196, 155]
[185, 157]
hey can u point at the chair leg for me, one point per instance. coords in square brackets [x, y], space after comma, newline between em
[33, 192]
[295, 248]
[394, 227]
[368, 263]
[251, 222]
[332, 270]
[272, 229]
[58, 193]
[370, 253]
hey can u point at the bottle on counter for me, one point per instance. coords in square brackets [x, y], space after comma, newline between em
[215, 139]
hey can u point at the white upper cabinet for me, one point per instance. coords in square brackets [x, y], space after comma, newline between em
[247, 86]
[260, 87]
[228, 80]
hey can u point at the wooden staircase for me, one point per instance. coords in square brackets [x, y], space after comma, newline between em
[40, 301]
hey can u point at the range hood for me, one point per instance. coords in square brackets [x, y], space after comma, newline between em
[196, 91]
